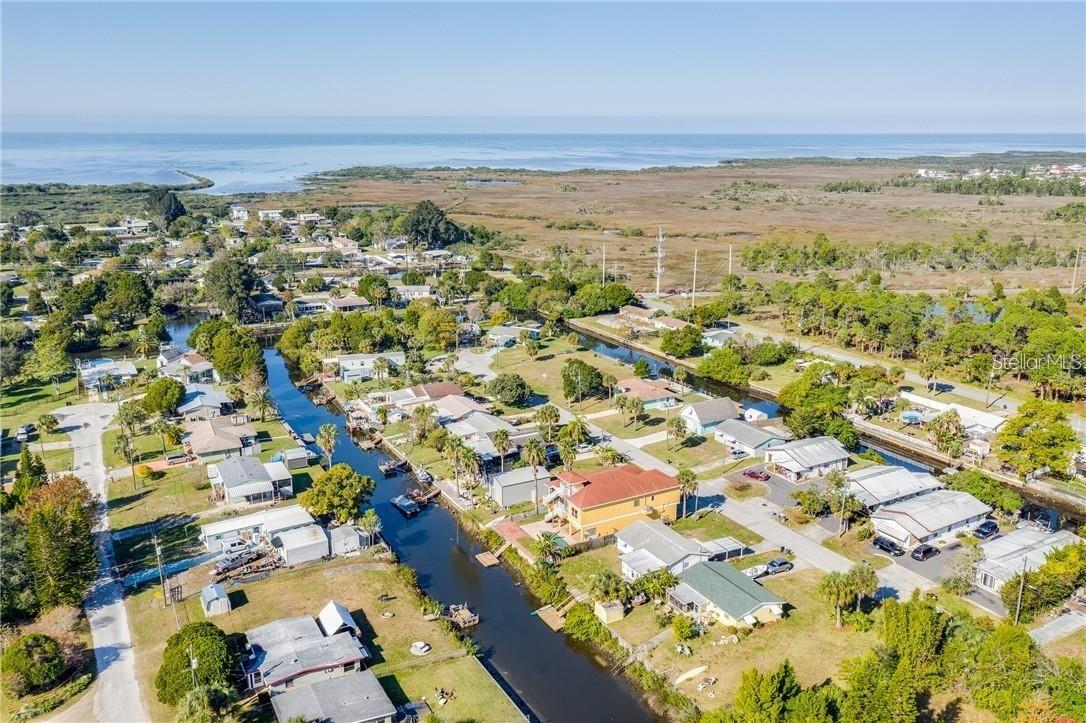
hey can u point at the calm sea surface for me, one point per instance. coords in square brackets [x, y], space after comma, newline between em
[272, 162]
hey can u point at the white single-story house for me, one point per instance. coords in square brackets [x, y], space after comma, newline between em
[1023, 549]
[717, 338]
[806, 458]
[308, 305]
[356, 697]
[750, 440]
[454, 407]
[95, 372]
[203, 401]
[351, 302]
[518, 485]
[257, 528]
[270, 214]
[247, 479]
[928, 517]
[214, 600]
[717, 591]
[653, 392]
[502, 336]
[301, 544]
[703, 417]
[359, 367]
[888, 484]
[977, 423]
[188, 368]
[648, 545]
[221, 437]
[408, 293]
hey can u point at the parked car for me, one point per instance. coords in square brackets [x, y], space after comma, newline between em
[176, 458]
[985, 529]
[23, 433]
[737, 454]
[887, 545]
[756, 474]
[778, 565]
[924, 552]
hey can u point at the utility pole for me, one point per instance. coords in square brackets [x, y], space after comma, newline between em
[1021, 590]
[158, 558]
[694, 285]
[659, 258]
[1074, 275]
[603, 266]
[192, 666]
[730, 259]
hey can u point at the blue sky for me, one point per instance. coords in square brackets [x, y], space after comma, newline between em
[731, 67]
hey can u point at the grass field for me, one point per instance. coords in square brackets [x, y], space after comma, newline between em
[638, 626]
[693, 452]
[358, 584]
[713, 525]
[22, 403]
[806, 636]
[148, 448]
[544, 373]
[858, 550]
[579, 570]
[56, 460]
[180, 491]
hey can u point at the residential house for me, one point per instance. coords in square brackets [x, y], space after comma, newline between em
[247, 479]
[604, 502]
[408, 293]
[648, 545]
[296, 652]
[669, 323]
[203, 401]
[516, 486]
[716, 591]
[888, 484]
[257, 528]
[356, 697]
[703, 417]
[101, 373]
[168, 354]
[189, 368]
[270, 214]
[359, 367]
[654, 393]
[210, 439]
[267, 304]
[348, 303]
[751, 440]
[928, 517]
[716, 338]
[806, 458]
[502, 335]
[636, 315]
[477, 430]
[454, 407]
[239, 213]
[309, 305]
[1025, 549]
[978, 424]
[422, 393]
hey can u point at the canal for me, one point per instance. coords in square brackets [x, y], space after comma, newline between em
[556, 678]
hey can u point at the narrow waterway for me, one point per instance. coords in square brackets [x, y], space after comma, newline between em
[557, 679]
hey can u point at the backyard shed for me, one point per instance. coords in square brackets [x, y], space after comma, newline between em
[345, 539]
[296, 457]
[301, 544]
[609, 612]
[335, 618]
[214, 600]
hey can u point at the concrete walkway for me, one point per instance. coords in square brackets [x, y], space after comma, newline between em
[648, 439]
[116, 692]
[1059, 627]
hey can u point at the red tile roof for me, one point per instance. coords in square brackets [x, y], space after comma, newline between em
[647, 390]
[620, 483]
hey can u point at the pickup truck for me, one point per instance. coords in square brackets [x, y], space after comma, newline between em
[234, 562]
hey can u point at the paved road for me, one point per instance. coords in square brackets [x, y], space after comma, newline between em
[1057, 628]
[116, 692]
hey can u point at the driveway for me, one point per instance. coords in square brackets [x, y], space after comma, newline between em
[116, 692]
[1059, 627]
[477, 363]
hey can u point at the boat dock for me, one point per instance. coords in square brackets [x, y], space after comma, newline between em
[491, 559]
[555, 617]
[462, 616]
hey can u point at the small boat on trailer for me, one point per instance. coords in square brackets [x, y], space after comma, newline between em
[405, 505]
[390, 467]
[308, 438]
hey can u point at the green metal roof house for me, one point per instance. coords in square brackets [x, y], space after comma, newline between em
[717, 591]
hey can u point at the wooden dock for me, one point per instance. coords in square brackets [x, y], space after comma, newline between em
[549, 615]
[491, 559]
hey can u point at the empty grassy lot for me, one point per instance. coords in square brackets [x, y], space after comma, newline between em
[579, 571]
[713, 525]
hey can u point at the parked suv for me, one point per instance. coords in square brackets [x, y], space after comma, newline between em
[887, 545]
[986, 529]
[924, 552]
[778, 565]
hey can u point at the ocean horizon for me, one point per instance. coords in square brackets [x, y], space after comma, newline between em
[267, 162]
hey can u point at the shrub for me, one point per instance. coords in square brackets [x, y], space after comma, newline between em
[684, 628]
[143, 471]
[857, 620]
[207, 643]
[32, 662]
[864, 531]
[509, 389]
[663, 617]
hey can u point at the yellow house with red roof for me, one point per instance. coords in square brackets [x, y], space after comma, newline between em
[602, 503]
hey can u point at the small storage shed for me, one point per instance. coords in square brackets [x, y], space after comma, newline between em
[301, 544]
[345, 539]
[214, 600]
[609, 612]
[296, 457]
[336, 618]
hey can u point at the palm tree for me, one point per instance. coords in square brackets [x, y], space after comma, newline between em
[567, 451]
[548, 547]
[688, 484]
[864, 582]
[161, 427]
[610, 381]
[842, 502]
[622, 404]
[380, 368]
[382, 416]
[535, 454]
[327, 436]
[47, 424]
[124, 447]
[454, 453]
[145, 344]
[422, 421]
[834, 588]
[680, 375]
[608, 455]
[502, 444]
[471, 462]
[261, 401]
[676, 428]
[637, 409]
[370, 524]
[545, 418]
[576, 430]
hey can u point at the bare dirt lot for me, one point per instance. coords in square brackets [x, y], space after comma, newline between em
[712, 209]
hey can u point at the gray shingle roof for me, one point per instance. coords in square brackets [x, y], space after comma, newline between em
[727, 588]
[345, 699]
[712, 411]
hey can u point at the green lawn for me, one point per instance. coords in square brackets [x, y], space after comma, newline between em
[544, 373]
[806, 637]
[357, 583]
[712, 525]
[638, 626]
[148, 448]
[180, 491]
[56, 460]
[579, 570]
[693, 452]
[138, 552]
[26, 402]
[858, 550]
